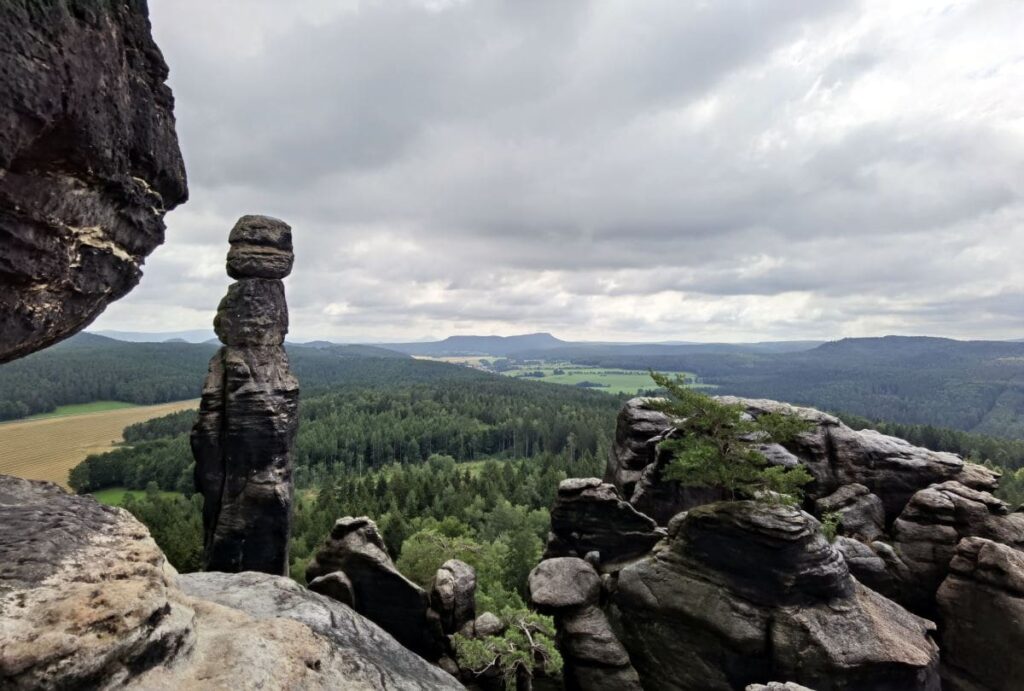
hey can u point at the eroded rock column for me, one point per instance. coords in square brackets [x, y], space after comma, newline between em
[242, 441]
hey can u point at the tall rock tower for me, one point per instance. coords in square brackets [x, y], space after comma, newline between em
[242, 441]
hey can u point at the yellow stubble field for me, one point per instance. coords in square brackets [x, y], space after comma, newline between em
[48, 448]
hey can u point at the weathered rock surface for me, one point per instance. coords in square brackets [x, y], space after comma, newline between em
[636, 467]
[890, 468]
[777, 686]
[248, 416]
[89, 163]
[487, 624]
[335, 585]
[381, 592]
[261, 247]
[88, 601]
[982, 607]
[745, 593]
[365, 654]
[928, 531]
[860, 512]
[453, 595]
[569, 589]
[590, 517]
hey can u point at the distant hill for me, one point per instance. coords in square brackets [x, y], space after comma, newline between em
[89, 367]
[190, 336]
[546, 346]
[479, 345]
[975, 386]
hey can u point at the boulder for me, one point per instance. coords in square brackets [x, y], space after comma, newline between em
[89, 163]
[381, 593]
[261, 247]
[487, 624]
[569, 589]
[453, 595]
[928, 531]
[982, 608]
[336, 586]
[589, 516]
[861, 514]
[88, 601]
[745, 592]
[248, 418]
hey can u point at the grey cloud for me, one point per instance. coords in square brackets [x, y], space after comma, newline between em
[729, 170]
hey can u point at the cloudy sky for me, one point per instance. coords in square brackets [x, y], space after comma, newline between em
[611, 170]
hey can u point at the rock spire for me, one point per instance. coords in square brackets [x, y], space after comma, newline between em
[242, 441]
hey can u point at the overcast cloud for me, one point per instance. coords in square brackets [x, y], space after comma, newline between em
[620, 170]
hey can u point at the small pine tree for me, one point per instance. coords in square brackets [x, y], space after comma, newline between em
[526, 648]
[717, 445]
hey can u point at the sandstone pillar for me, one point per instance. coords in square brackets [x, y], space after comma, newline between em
[242, 441]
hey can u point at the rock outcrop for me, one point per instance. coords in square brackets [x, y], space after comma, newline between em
[636, 466]
[569, 590]
[380, 592]
[743, 593]
[861, 514]
[928, 531]
[982, 607]
[248, 417]
[453, 595]
[89, 163]
[590, 520]
[836, 455]
[87, 600]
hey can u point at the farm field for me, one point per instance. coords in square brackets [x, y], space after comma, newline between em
[615, 381]
[47, 448]
[80, 408]
[115, 496]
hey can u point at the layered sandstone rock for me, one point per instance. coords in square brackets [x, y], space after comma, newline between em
[589, 519]
[746, 592]
[248, 417]
[89, 163]
[837, 456]
[453, 595]
[569, 590]
[87, 600]
[928, 531]
[861, 514]
[982, 608]
[380, 592]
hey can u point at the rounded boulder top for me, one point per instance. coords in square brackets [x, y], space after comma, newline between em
[261, 247]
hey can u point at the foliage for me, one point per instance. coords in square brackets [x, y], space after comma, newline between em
[525, 649]
[830, 522]
[716, 445]
[175, 522]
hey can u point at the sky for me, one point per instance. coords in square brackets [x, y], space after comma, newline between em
[620, 170]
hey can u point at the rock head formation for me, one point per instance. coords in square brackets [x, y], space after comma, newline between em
[89, 163]
[248, 417]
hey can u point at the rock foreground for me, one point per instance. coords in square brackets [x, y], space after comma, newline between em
[89, 163]
[248, 416]
[745, 594]
[87, 600]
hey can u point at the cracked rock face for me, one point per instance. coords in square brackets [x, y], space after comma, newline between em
[453, 595]
[248, 416]
[982, 607]
[87, 600]
[744, 593]
[837, 456]
[590, 519]
[379, 591]
[89, 163]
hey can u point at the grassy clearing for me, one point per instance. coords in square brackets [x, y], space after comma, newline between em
[81, 409]
[47, 448]
[115, 496]
[608, 380]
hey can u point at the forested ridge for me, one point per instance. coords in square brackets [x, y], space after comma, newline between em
[975, 386]
[89, 368]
